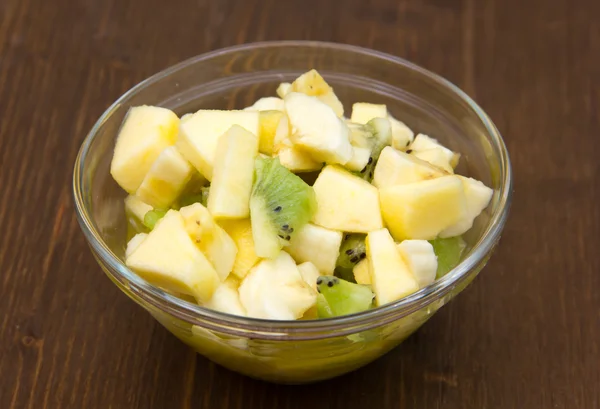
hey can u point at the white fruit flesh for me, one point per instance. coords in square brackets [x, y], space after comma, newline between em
[421, 210]
[363, 112]
[200, 134]
[134, 243]
[398, 168]
[478, 197]
[227, 299]
[436, 157]
[390, 277]
[313, 84]
[420, 259]
[309, 274]
[402, 135]
[166, 179]
[361, 272]
[423, 142]
[241, 233]
[318, 245]
[145, 133]
[136, 207]
[283, 89]
[360, 159]
[210, 238]
[346, 202]
[317, 129]
[275, 289]
[169, 258]
[229, 196]
[274, 130]
[267, 104]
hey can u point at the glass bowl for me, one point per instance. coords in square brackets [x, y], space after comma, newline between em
[295, 351]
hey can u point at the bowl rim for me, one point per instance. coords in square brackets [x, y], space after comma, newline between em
[301, 329]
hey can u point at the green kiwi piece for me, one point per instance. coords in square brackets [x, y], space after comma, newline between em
[198, 197]
[281, 203]
[323, 308]
[152, 217]
[352, 251]
[344, 297]
[449, 252]
[381, 131]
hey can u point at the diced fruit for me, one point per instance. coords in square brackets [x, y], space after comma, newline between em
[390, 277]
[215, 243]
[346, 202]
[360, 159]
[352, 251]
[402, 135]
[136, 209]
[283, 89]
[169, 258]
[317, 245]
[420, 259]
[166, 179]
[361, 273]
[323, 308]
[297, 160]
[145, 133]
[227, 299]
[152, 217]
[478, 197]
[134, 243]
[311, 83]
[422, 210]
[231, 186]
[241, 233]
[344, 297]
[363, 112]
[275, 289]
[199, 135]
[273, 126]
[280, 205]
[310, 274]
[449, 252]
[317, 129]
[381, 132]
[424, 142]
[398, 168]
[435, 157]
[267, 104]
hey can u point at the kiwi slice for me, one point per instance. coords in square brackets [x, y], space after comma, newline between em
[343, 297]
[381, 131]
[152, 217]
[281, 203]
[352, 251]
[449, 252]
[323, 308]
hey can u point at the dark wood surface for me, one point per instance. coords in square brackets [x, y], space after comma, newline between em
[525, 334]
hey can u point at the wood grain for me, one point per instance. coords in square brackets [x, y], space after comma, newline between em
[526, 334]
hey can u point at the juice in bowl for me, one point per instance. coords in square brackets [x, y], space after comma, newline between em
[293, 210]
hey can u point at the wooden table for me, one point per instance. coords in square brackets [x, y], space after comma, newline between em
[526, 334]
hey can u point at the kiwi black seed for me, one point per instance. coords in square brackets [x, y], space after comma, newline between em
[351, 252]
[409, 151]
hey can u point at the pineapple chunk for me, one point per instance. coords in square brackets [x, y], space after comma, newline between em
[275, 289]
[145, 133]
[309, 274]
[390, 277]
[398, 168]
[200, 134]
[168, 258]
[283, 89]
[420, 259]
[135, 207]
[134, 243]
[318, 245]
[229, 196]
[317, 129]
[402, 135]
[311, 83]
[166, 179]
[435, 157]
[425, 143]
[241, 233]
[363, 112]
[296, 160]
[227, 299]
[346, 202]
[210, 238]
[267, 104]
[422, 210]
[360, 159]
[273, 127]
[361, 272]
[478, 197]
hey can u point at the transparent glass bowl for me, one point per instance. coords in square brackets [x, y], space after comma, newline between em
[295, 351]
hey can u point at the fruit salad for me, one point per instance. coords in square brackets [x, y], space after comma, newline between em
[287, 209]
